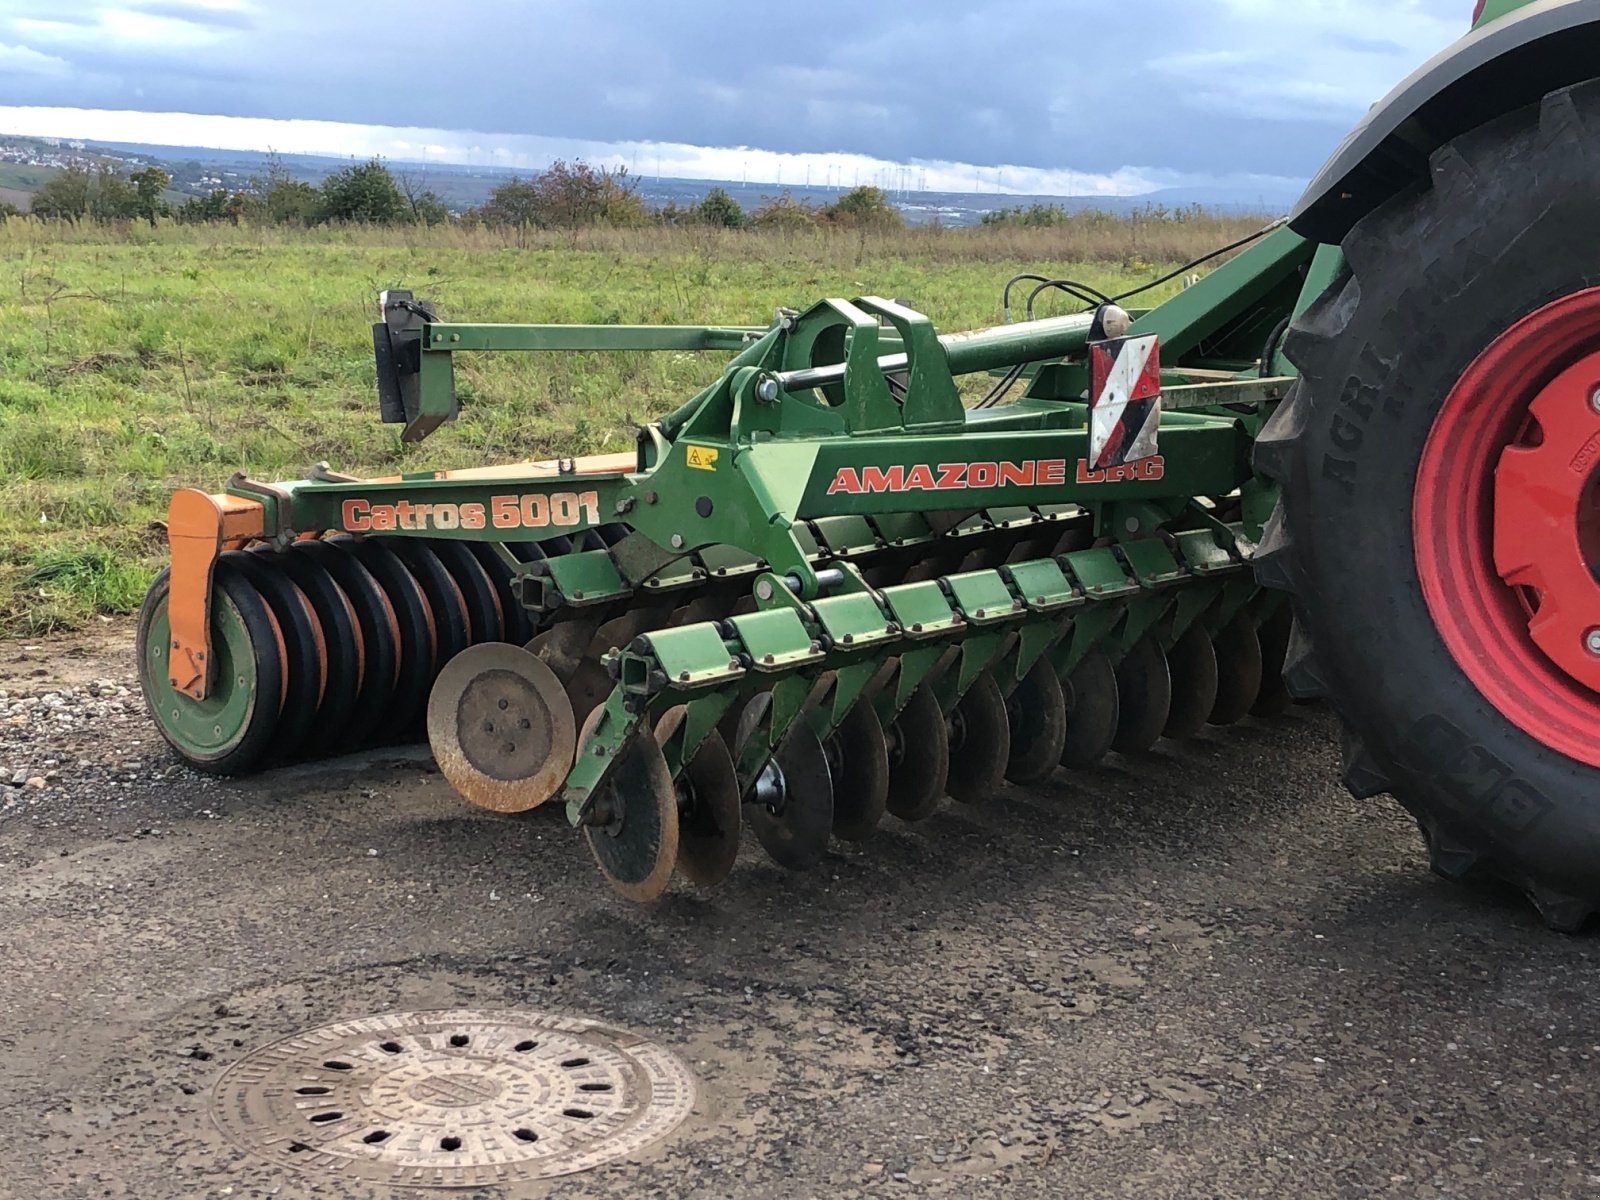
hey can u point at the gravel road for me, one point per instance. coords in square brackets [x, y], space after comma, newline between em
[1203, 973]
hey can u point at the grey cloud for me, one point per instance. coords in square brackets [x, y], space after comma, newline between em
[195, 14]
[1049, 83]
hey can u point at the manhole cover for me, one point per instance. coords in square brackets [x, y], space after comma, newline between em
[453, 1099]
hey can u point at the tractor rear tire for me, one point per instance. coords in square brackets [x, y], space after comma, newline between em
[1458, 338]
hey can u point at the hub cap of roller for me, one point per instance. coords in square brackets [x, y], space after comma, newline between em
[980, 743]
[708, 807]
[1506, 525]
[1037, 715]
[501, 727]
[858, 761]
[919, 758]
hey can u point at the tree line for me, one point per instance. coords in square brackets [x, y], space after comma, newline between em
[566, 196]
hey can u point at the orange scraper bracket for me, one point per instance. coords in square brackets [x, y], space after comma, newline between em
[200, 526]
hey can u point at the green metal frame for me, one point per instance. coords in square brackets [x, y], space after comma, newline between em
[837, 435]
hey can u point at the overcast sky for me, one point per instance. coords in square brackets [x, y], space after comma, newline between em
[1050, 96]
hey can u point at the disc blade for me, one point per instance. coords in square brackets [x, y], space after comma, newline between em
[1037, 714]
[1274, 699]
[980, 743]
[591, 684]
[1238, 671]
[1193, 664]
[1144, 694]
[858, 761]
[637, 846]
[452, 632]
[1092, 708]
[304, 646]
[790, 806]
[708, 807]
[485, 620]
[417, 638]
[343, 644]
[380, 633]
[919, 758]
[501, 727]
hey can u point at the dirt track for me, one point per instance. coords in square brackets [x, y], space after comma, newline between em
[1205, 974]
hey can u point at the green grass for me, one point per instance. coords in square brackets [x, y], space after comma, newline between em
[133, 361]
[25, 178]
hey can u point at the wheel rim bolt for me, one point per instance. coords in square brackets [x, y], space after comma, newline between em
[1592, 641]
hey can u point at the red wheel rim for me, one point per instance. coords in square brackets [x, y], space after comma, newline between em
[1506, 522]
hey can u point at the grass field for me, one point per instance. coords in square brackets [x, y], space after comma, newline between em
[136, 360]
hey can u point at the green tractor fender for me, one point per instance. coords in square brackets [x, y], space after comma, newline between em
[1517, 54]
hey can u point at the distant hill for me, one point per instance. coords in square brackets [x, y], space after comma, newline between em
[197, 170]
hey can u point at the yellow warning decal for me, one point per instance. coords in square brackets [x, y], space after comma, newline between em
[703, 458]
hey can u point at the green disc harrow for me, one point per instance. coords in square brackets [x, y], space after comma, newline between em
[828, 590]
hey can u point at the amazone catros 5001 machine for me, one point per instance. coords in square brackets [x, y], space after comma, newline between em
[1358, 461]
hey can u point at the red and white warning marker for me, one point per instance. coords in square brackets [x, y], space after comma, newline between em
[1124, 400]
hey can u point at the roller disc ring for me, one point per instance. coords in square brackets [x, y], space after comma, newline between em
[1193, 664]
[708, 807]
[637, 846]
[451, 628]
[485, 620]
[380, 634]
[919, 758]
[1144, 693]
[790, 804]
[1036, 713]
[305, 650]
[1092, 709]
[1274, 699]
[518, 628]
[415, 621]
[858, 763]
[230, 732]
[1239, 670]
[501, 728]
[980, 743]
[342, 642]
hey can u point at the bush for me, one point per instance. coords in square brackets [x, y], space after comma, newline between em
[365, 194]
[864, 208]
[720, 209]
[785, 212]
[567, 196]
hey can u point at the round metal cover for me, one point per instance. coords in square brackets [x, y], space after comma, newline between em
[458, 1099]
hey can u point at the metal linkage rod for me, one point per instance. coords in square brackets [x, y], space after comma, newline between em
[970, 353]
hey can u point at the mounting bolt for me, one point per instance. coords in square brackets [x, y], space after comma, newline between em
[683, 677]
[767, 390]
[677, 541]
[625, 505]
[764, 589]
[1592, 641]
[1594, 399]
